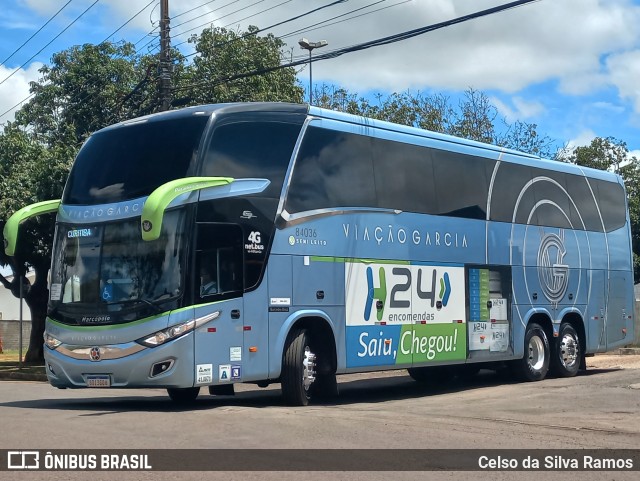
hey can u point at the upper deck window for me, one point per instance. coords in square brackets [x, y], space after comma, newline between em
[131, 161]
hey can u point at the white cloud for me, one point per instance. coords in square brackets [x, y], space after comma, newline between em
[624, 71]
[508, 51]
[583, 139]
[15, 88]
[521, 109]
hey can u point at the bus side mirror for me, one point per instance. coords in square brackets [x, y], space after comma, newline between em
[12, 227]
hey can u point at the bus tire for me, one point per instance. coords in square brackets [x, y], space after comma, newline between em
[298, 369]
[566, 357]
[183, 395]
[534, 365]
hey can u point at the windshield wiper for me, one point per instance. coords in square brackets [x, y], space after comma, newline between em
[154, 305]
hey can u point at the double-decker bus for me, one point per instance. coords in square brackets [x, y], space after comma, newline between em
[268, 242]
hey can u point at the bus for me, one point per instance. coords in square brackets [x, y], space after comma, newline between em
[283, 243]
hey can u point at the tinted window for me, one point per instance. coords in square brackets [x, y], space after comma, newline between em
[404, 176]
[612, 204]
[584, 214]
[461, 184]
[338, 169]
[512, 198]
[553, 206]
[131, 161]
[556, 199]
[334, 169]
[252, 150]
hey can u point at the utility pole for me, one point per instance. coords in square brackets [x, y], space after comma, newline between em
[165, 57]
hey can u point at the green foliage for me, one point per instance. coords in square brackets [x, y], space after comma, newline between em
[85, 89]
[89, 87]
[474, 117]
[613, 155]
[222, 54]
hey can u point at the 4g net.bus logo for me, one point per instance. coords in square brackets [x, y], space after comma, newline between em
[427, 288]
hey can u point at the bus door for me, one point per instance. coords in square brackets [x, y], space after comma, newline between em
[595, 318]
[619, 307]
[218, 287]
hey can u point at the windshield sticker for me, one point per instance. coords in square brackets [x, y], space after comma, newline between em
[55, 292]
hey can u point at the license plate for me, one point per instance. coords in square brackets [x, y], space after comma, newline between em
[98, 380]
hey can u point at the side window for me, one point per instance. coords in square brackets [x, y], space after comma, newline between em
[333, 169]
[252, 150]
[512, 197]
[403, 176]
[461, 184]
[612, 204]
[219, 262]
[584, 214]
[553, 205]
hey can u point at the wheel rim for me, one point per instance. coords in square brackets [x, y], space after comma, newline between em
[569, 351]
[536, 353]
[308, 369]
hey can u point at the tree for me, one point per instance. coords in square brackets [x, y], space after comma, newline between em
[89, 87]
[84, 89]
[222, 54]
[474, 117]
[27, 172]
[613, 155]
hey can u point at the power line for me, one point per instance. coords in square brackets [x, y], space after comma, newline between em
[346, 19]
[191, 10]
[271, 26]
[219, 18]
[16, 105]
[96, 76]
[308, 27]
[39, 30]
[209, 13]
[366, 45]
[127, 22]
[52, 40]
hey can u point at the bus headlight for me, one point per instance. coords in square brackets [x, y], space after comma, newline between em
[50, 341]
[176, 331]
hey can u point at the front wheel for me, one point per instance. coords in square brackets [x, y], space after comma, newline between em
[566, 358]
[183, 395]
[535, 363]
[298, 369]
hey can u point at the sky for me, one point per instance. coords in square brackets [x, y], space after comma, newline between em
[571, 67]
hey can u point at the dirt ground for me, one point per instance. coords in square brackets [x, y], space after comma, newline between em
[610, 361]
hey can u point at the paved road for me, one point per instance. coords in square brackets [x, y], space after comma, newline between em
[598, 409]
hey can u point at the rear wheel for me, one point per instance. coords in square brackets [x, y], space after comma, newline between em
[566, 358]
[183, 395]
[535, 363]
[298, 369]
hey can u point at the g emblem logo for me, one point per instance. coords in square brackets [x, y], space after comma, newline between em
[553, 274]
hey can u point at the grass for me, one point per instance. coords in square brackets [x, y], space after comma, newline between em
[10, 362]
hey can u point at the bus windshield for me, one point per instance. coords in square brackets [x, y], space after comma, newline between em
[107, 268]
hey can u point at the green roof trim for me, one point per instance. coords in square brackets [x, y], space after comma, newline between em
[159, 200]
[12, 226]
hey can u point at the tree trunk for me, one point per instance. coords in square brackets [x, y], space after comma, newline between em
[37, 299]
